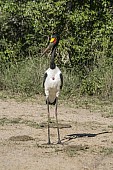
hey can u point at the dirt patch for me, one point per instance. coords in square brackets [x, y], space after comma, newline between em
[86, 135]
[21, 138]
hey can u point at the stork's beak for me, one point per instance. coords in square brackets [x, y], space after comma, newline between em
[51, 44]
[48, 48]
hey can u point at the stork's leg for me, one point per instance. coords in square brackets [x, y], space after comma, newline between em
[59, 141]
[49, 142]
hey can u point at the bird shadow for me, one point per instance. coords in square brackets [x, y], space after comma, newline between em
[82, 135]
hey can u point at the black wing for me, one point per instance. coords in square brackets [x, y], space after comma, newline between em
[61, 78]
[45, 75]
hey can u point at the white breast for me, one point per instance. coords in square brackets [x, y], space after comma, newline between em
[52, 83]
[53, 78]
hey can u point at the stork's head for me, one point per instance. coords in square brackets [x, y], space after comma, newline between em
[53, 42]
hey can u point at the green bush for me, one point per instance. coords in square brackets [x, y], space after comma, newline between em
[85, 52]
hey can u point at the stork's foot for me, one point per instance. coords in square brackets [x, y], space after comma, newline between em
[49, 142]
[59, 142]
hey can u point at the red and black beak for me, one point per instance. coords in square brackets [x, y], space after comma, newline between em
[53, 42]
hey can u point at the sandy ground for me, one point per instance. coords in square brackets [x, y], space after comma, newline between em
[87, 138]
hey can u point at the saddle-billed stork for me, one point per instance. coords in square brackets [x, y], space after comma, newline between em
[52, 83]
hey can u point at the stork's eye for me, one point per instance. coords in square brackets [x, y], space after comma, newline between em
[53, 40]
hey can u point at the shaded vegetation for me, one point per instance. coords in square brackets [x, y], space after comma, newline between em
[85, 52]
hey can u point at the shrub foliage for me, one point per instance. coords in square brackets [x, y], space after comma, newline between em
[85, 51]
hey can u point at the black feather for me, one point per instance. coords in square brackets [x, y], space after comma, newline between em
[52, 103]
[45, 76]
[61, 77]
